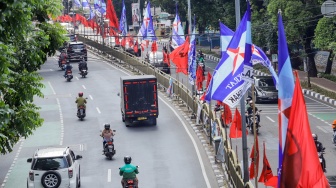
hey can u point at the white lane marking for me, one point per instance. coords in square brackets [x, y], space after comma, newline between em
[84, 86]
[320, 102]
[98, 110]
[77, 78]
[52, 89]
[189, 134]
[51, 69]
[322, 129]
[270, 119]
[90, 97]
[61, 119]
[319, 118]
[109, 172]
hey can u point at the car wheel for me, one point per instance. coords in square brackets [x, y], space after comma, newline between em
[51, 179]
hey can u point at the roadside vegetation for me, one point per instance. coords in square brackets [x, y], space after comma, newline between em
[26, 39]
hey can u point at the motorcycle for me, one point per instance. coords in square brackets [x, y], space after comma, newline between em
[62, 64]
[83, 73]
[130, 183]
[81, 112]
[322, 160]
[68, 75]
[251, 119]
[334, 134]
[109, 150]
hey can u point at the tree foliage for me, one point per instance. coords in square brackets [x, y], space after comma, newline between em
[26, 39]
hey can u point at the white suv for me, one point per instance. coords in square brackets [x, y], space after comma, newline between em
[53, 168]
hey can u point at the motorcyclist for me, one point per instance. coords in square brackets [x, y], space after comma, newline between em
[128, 171]
[81, 101]
[250, 112]
[82, 65]
[67, 67]
[319, 148]
[63, 56]
[107, 134]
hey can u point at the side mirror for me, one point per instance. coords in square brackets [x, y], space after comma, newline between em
[78, 157]
[29, 160]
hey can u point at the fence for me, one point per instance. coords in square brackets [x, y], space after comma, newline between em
[205, 116]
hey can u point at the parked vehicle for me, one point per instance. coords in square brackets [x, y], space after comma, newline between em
[264, 89]
[53, 168]
[139, 99]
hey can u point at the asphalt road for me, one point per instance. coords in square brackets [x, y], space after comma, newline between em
[166, 153]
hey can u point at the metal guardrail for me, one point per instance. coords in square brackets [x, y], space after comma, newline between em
[231, 164]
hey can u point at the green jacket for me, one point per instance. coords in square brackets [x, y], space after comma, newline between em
[128, 171]
[80, 101]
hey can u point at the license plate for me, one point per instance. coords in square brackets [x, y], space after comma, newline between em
[76, 50]
[142, 118]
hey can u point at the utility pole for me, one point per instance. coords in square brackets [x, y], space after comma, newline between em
[242, 109]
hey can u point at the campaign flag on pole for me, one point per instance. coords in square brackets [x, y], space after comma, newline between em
[147, 29]
[180, 57]
[192, 57]
[99, 6]
[199, 78]
[236, 126]
[111, 15]
[85, 3]
[178, 34]
[154, 46]
[209, 77]
[301, 165]
[77, 3]
[266, 173]
[285, 90]
[123, 21]
[258, 55]
[228, 85]
[254, 160]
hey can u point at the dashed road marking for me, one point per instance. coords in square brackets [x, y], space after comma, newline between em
[98, 110]
[90, 97]
[76, 78]
[84, 86]
[270, 119]
[109, 173]
[322, 129]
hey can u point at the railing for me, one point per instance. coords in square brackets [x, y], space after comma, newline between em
[207, 117]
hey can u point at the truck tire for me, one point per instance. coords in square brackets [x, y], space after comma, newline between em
[153, 121]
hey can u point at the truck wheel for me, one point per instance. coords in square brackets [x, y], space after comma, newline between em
[153, 121]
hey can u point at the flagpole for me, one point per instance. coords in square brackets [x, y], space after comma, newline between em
[242, 109]
[255, 139]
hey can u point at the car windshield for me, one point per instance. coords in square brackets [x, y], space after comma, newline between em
[266, 82]
[77, 46]
[53, 163]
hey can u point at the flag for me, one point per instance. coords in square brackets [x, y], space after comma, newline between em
[99, 6]
[177, 30]
[136, 48]
[170, 87]
[207, 85]
[180, 57]
[192, 57]
[226, 114]
[258, 55]
[154, 46]
[85, 4]
[254, 160]
[166, 58]
[111, 15]
[285, 90]
[147, 29]
[301, 166]
[228, 85]
[266, 173]
[199, 78]
[77, 3]
[236, 126]
[123, 21]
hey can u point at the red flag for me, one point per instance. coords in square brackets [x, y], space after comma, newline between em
[135, 47]
[199, 78]
[154, 46]
[236, 126]
[116, 40]
[166, 58]
[266, 173]
[111, 14]
[123, 42]
[207, 84]
[180, 57]
[272, 182]
[253, 171]
[301, 166]
[226, 114]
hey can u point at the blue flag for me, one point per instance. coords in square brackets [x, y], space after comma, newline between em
[99, 6]
[178, 34]
[192, 58]
[286, 90]
[123, 21]
[147, 29]
[92, 14]
[85, 3]
[77, 3]
[228, 82]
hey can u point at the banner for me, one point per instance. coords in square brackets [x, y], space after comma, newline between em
[135, 14]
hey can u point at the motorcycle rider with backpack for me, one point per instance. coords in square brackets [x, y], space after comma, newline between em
[129, 171]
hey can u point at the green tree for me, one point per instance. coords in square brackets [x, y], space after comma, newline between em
[325, 37]
[26, 39]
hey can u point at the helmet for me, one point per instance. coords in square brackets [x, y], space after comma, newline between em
[314, 137]
[251, 102]
[334, 122]
[107, 126]
[80, 94]
[127, 159]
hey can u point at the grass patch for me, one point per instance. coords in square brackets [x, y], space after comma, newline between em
[330, 94]
[328, 76]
